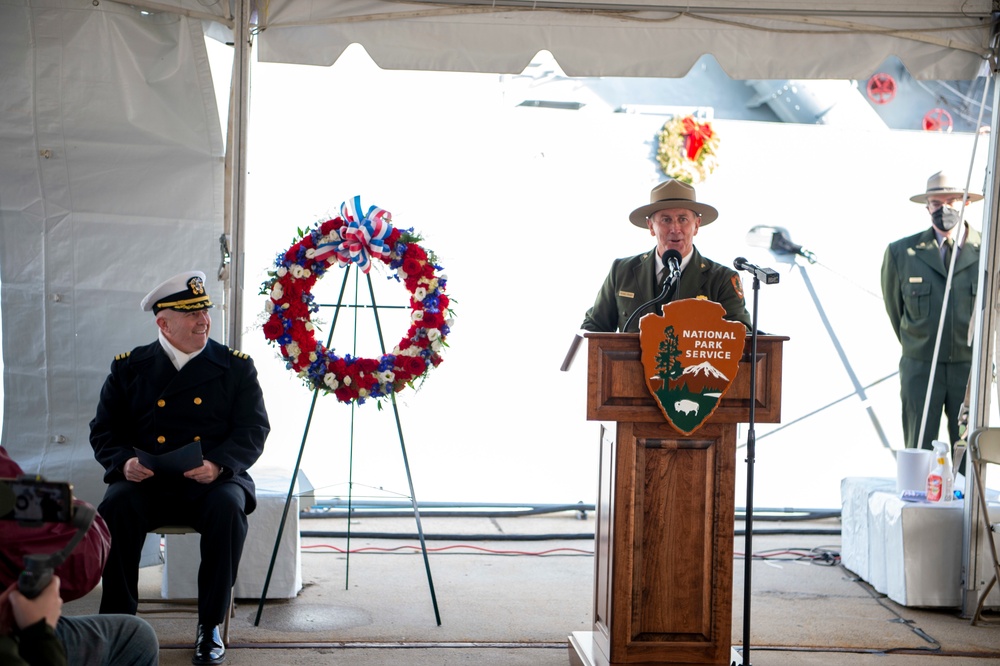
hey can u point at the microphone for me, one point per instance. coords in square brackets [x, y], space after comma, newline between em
[777, 240]
[782, 244]
[765, 275]
[672, 261]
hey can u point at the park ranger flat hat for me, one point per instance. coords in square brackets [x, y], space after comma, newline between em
[942, 185]
[672, 193]
[184, 292]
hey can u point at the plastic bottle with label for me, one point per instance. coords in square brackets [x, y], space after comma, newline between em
[940, 479]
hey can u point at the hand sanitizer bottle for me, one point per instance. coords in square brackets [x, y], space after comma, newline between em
[940, 479]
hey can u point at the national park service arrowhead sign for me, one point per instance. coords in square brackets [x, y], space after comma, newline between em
[690, 356]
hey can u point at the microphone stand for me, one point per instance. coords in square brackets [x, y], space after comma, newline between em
[669, 286]
[751, 445]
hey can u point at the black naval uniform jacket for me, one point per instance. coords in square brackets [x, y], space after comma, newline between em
[632, 282]
[148, 404]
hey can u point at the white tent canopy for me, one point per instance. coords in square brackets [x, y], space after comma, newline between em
[751, 40]
[112, 166]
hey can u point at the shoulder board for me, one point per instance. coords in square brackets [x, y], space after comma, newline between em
[122, 357]
[238, 354]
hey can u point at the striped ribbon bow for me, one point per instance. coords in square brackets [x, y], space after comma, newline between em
[364, 235]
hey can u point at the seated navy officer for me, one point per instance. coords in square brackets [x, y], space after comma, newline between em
[182, 388]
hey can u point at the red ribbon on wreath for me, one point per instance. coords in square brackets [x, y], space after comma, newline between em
[696, 134]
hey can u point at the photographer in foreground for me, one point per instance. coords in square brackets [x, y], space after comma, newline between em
[84, 640]
[27, 627]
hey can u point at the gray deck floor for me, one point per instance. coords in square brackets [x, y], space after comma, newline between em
[515, 602]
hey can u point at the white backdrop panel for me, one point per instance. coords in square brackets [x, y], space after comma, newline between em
[111, 180]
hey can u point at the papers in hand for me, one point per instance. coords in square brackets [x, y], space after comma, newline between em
[177, 461]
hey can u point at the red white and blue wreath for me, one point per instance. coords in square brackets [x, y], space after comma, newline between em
[358, 238]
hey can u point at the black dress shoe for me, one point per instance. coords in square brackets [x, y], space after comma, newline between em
[208, 647]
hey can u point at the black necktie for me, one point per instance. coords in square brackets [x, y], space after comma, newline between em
[948, 243]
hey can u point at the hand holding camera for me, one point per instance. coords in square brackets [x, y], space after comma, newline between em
[33, 502]
[26, 611]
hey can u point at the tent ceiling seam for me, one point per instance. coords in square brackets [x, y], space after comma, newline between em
[226, 20]
[850, 27]
[552, 5]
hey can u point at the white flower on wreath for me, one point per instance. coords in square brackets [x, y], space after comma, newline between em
[330, 380]
[277, 292]
[419, 294]
[269, 306]
[282, 272]
[418, 315]
[292, 350]
[296, 271]
[386, 376]
[433, 334]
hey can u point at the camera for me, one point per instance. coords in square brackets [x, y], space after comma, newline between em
[32, 501]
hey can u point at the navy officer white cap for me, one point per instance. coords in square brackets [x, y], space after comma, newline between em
[184, 292]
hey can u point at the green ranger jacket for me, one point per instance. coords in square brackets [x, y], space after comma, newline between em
[913, 280]
[632, 282]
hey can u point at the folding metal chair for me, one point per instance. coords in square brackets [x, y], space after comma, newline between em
[984, 449]
[186, 529]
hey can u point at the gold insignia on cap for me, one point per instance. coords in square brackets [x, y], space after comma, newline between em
[197, 286]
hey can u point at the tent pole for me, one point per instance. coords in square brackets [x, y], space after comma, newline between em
[982, 353]
[238, 113]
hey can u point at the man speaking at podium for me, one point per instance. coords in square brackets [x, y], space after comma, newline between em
[673, 216]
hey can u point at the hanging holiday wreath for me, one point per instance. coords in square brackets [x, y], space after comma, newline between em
[687, 149]
[356, 237]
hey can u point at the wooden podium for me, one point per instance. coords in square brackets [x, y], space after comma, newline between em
[663, 555]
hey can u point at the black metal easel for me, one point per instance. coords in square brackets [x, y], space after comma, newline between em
[305, 435]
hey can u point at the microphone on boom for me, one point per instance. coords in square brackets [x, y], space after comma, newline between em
[765, 275]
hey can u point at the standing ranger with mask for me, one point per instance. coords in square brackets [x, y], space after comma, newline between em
[914, 272]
